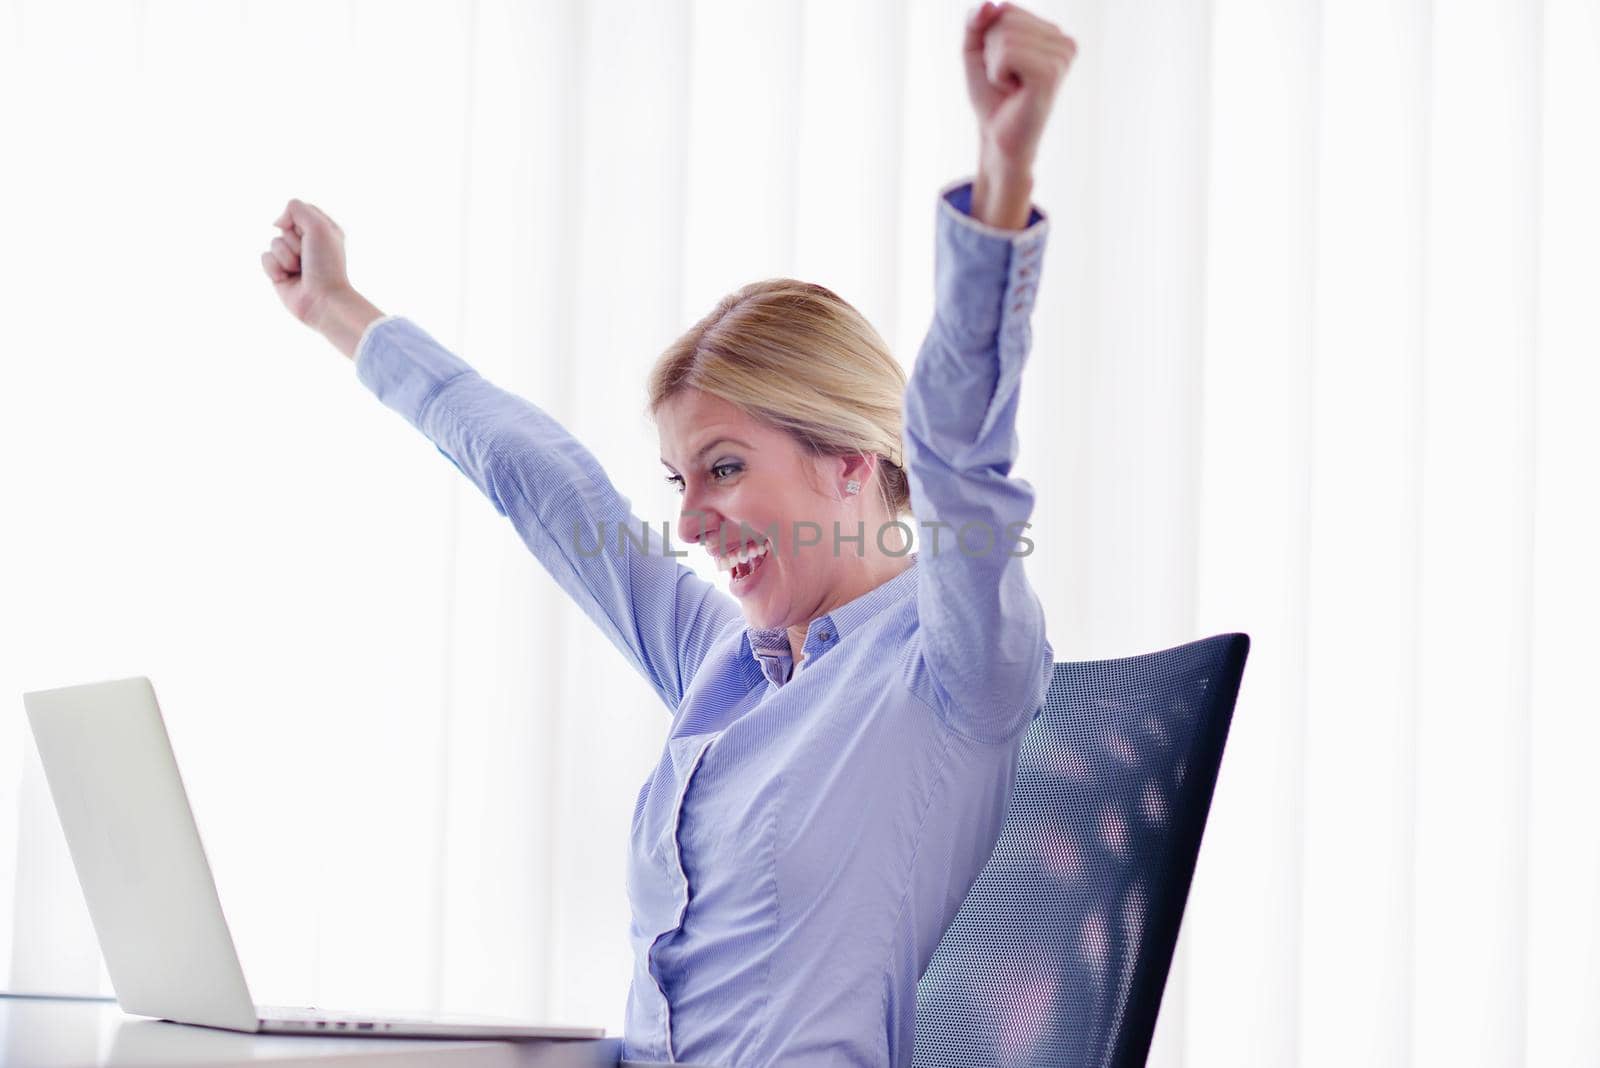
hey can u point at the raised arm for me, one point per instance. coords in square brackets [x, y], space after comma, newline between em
[657, 611]
[982, 626]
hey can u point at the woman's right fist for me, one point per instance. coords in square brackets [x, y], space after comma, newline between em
[306, 262]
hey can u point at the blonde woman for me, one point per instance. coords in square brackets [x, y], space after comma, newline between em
[844, 726]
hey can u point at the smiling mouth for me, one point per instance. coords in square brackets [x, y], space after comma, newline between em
[748, 568]
[744, 562]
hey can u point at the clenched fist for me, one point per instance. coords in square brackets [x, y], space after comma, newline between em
[1014, 62]
[306, 263]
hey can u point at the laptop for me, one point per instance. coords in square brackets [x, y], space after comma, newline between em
[149, 888]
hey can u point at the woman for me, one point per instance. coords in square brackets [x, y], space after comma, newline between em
[845, 726]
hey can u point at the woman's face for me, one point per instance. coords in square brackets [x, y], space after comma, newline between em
[732, 470]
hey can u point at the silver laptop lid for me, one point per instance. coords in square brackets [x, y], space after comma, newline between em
[137, 851]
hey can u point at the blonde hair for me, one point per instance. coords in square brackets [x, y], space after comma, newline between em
[799, 358]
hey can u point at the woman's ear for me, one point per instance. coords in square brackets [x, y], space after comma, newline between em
[858, 466]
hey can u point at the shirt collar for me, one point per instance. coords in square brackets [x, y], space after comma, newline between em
[769, 646]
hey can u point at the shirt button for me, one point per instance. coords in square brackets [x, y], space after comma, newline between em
[825, 636]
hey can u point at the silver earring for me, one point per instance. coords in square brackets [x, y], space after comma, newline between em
[852, 486]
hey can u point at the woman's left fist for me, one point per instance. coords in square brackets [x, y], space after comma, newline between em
[1015, 60]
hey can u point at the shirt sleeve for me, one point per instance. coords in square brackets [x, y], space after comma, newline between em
[981, 626]
[657, 611]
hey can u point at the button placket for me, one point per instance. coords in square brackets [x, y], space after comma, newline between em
[817, 642]
[1023, 274]
[675, 856]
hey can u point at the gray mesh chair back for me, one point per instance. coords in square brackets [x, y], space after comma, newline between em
[1060, 952]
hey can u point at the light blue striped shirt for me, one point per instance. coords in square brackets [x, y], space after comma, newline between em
[807, 834]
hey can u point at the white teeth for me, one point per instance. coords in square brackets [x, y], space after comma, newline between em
[743, 556]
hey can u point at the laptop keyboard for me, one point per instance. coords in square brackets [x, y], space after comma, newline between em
[287, 1012]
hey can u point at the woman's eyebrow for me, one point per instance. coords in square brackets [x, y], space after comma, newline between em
[708, 447]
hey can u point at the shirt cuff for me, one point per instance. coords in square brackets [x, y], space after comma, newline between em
[990, 273]
[355, 357]
[404, 366]
[958, 194]
[985, 282]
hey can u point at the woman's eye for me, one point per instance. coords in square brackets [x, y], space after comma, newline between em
[676, 481]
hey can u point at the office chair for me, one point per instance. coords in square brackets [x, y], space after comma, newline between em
[1059, 954]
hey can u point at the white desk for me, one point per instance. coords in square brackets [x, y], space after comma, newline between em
[60, 1033]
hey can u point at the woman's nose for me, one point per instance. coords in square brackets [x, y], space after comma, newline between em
[695, 523]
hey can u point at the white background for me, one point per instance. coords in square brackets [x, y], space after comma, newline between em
[1314, 359]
